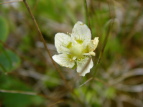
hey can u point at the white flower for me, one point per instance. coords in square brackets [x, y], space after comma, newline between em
[76, 48]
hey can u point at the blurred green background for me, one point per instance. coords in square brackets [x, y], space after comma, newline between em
[25, 66]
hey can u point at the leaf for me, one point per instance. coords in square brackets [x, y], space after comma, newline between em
[8, 61]
[3, 29]
[14, 99]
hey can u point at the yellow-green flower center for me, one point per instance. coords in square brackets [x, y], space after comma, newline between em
[77, 50]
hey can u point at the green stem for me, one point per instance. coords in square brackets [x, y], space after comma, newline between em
[42, 39]
[86, 13]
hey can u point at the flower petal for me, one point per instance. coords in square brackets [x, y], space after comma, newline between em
[84, 66]
[62, 41]
[64, 60]
[81, 33]
[93, 44]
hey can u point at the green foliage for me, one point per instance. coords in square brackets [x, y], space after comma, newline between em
[8, 61]
[28, 41]
[98, 21]
[3, 29]
[51, 82]
[52, 9]
[16, 100]
[114, 47]
[110, 93]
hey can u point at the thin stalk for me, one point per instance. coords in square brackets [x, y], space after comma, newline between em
[27, 93]
[106, 37]
[103, 47]
[102, 50]
[96, 79]
[86, 82]
[86, 13]
[17, 92]
[42, 38]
